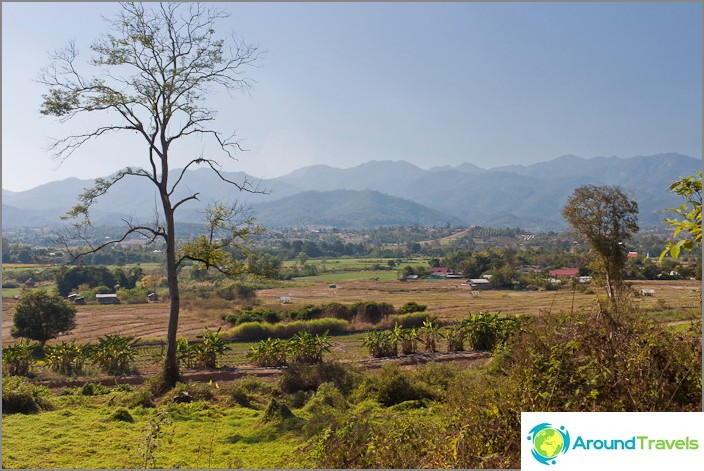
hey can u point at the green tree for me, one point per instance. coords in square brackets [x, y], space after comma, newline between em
[41, 316]
[607, 218]
[151, 74]
[689, 218]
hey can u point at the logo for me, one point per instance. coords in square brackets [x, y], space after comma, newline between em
[548, 442]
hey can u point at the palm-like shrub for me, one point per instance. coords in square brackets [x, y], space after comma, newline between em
[269, 353]
[185, 353]
[114, 353]
[17, 360]
[66, 358]
[406, 338]
[305, 347]
[487, 331]
[455, 336]
[380, 343]
[430, 333]
[209, 349]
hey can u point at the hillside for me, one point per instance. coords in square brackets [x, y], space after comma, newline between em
[529, 196]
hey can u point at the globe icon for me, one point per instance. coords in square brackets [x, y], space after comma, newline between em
[548, 443]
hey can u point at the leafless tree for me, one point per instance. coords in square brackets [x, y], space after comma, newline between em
[151, 74]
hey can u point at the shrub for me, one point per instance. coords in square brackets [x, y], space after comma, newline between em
[391, 386]
[412, 306]
[302, 377]
[277, 412]
[207, 352]
[269, 353]
[21, 396]
[455, 336]
[236, 291]
[487, 331]
[305, 347]
[114, 353]
[94, 389]
[380, 343]
[249, 392]
[66, 358]
[185, 352]
[429, 334]
[121, 415]
[17, 360]
[371, 312]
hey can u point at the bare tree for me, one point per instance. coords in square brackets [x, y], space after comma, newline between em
[607, 218]
[151, 74]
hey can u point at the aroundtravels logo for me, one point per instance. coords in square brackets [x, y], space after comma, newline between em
[548, 442]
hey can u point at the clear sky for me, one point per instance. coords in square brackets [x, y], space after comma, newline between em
[431, 83]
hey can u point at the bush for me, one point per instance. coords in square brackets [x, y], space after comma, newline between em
[303, 377]
[391, 386]
[249, 392]
[121, 415]
[66, 358]
[412, 306]
[487, 331]
[22, 397]
[17, 360]
[209, 350]
[94, 389]
[371, 312]
[114, 353]
[236, 291]
[380, 343]
[269, 353]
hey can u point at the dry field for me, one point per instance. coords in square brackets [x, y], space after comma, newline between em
[444, 298]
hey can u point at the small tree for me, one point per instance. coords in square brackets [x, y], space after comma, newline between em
[607, 218]
[41, 316]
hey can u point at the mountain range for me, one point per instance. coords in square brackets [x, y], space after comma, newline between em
[381, 193]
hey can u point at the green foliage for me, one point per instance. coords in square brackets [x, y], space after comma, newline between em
[237, 292]
[380, 343]
[17, 360]
[66, 358]
[412, 306]
[209, 349]
[121, 415]
[114, 353]
[455, 336]
[607, 218]
[488, 331]
[391, 386]
[21, 396]
[429, 334]
[623, 362]
[269, 353]
[305, 347]
[689, 216]
[307, 377]
[41, 316]
[94, 389]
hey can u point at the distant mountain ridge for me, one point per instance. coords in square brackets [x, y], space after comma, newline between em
[383, 193]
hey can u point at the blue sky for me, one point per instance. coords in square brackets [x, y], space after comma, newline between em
[431, 83]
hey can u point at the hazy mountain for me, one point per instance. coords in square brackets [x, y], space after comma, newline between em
[347, 209]
[529, 196]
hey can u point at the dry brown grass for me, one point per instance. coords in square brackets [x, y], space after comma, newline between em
[446, 299]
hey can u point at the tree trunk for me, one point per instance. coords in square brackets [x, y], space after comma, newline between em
[171, 373]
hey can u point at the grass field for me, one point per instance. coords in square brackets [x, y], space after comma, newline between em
[202, 435]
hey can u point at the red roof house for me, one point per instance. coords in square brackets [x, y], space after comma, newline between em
[564, 272]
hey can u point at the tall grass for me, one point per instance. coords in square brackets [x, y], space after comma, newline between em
[264, 330]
